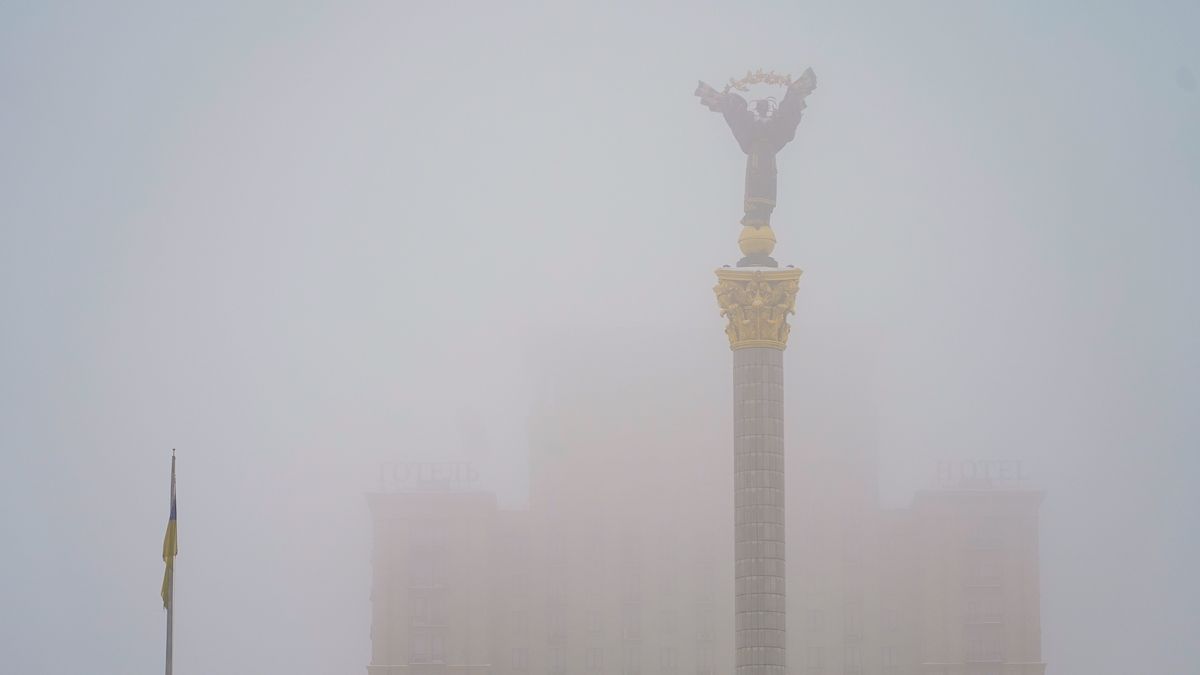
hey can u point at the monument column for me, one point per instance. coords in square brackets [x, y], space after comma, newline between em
[756, 301]
[756, 298]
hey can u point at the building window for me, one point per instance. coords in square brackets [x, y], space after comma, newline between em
[427, 608]
[987, 535]
[852, 549]
[437, 648]
[594, 659]
[422, 570]
[418, 612]
[631, 622]
[556, 622]
[985, 607]
[520, 582]
[437, 609]
[518, 623]
[668, 583]
[669, 621]
[668, 660]
[983, 569]
[854, 620]
[516, 548]
[993, 645]
[988, 572]
[816, 620]
[520, 659]
[427, 646]
[814, 657]
[418, 651]
[891, 620]
[427, 555]
[631, 659]
[853, 659]
[985, 643]
[992, 609]
[633, 580]
[707, 590]
[974, 646]
[704, 658]
[705, 628]
[631, 558]
[558, 547]
[558, 660]
[556, 582]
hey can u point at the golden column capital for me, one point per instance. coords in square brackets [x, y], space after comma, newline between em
[757, 303]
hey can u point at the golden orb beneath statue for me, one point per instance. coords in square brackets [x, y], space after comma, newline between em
[758, 240]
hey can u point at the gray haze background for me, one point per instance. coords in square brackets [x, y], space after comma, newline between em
[294, 240]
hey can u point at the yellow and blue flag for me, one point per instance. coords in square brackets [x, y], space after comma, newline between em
[170, 544]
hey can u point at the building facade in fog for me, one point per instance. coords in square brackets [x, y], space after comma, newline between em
[628, 573]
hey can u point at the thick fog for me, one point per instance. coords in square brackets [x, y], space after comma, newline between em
[297, 241]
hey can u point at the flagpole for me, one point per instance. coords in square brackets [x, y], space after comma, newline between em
[170, 620]
[171, 583]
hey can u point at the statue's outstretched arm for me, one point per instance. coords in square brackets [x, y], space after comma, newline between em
[740, 120]
[805, 84]
[709, 97]
[733, 107]
[793, 101]
[787, 118]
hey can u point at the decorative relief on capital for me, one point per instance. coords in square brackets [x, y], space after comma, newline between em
[756, 304]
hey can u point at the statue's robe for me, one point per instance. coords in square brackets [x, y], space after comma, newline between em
[761, 139]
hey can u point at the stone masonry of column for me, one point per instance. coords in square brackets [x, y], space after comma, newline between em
[759, 511]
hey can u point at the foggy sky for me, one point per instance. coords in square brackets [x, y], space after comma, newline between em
[294, 241]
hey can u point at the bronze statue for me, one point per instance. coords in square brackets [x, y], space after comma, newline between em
[761, 131]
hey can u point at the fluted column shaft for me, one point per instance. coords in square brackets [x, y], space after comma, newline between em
[760, 598]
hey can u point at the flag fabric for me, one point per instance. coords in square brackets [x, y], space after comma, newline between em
[170, 544]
